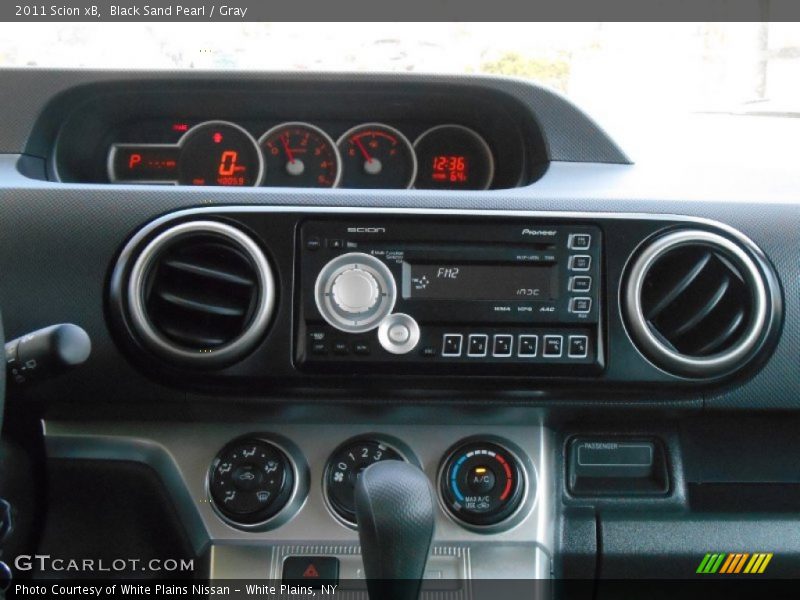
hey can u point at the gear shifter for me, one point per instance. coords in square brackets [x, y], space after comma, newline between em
[395, 515]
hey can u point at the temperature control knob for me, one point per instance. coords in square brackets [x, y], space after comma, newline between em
[482, 483]
[354, 292]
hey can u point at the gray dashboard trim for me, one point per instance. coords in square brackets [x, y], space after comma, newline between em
[180, 453]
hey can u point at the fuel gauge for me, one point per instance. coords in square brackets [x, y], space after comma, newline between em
[376, 156]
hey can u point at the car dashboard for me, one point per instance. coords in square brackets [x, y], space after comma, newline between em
[287, 278]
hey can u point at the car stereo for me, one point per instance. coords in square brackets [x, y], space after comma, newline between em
[493, 296]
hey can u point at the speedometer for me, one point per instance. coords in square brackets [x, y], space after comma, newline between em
[219, 153]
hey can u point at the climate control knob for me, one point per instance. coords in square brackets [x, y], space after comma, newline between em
[354, 292]
[482, 483]
[250, 480]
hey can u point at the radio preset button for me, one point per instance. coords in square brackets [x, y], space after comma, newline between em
[580, 262]
[579, 241]
[451, 344]
[578, 346]
[553, 346]
[398, 333]
[580, 283]
[478, 343]
[528, 346]
[580, 306]
[503, 345]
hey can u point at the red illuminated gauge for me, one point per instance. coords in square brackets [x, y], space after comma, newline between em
[376, 156]
[453, 157]
[300, 155]
[143, 163]
[219, 153]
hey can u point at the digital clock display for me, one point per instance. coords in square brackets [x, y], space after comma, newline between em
[451, 168]
[452, 157]
[489, 282]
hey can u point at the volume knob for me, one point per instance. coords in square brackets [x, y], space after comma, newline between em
[355, 291]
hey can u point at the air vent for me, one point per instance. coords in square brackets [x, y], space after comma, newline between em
[201, 293]
[696, 304]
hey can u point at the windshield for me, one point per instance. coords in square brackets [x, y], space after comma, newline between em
[619, 72]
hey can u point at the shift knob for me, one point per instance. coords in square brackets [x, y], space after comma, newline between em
[395, 517]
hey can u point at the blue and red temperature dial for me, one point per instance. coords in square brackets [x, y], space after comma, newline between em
[482, 483]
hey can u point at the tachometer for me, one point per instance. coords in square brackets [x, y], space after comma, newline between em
[376, 156]
[219, 153]
[300, 155]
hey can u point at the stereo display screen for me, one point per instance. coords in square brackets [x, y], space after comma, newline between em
[488, 282]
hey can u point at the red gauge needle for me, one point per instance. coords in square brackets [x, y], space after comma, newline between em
[361, 147]
[285, 142]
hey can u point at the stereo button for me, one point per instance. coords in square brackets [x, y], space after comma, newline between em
[578, 346]
[580, 306]
[580, 283]
[503, 345]
[528, 345]
[579, 241]
[478, 343]
[451, 344]
[580, 262]
[553, 346]
[398, 333]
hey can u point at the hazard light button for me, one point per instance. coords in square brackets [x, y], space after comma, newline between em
[311, 571]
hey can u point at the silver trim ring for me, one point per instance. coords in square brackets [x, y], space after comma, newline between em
[530, 479]
[226, 353]
[403, 320]
[366, 321]
[300, 486]
[666, 357]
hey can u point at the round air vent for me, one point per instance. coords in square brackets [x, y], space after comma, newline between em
[201, 293]
[696, 303]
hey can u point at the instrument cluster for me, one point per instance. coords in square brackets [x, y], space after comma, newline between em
[300, 154]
